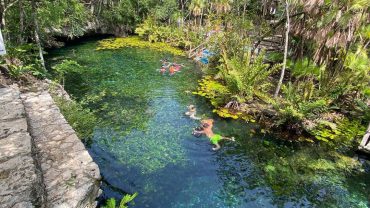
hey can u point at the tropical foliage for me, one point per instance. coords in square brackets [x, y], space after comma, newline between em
[111, 203]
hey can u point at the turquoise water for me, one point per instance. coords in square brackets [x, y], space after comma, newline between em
[143, 142]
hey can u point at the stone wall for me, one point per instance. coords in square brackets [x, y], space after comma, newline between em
[19, 181]
[42, 162]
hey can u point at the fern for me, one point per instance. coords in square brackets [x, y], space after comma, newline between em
[244, 77]
[111, 203]
[126, 199]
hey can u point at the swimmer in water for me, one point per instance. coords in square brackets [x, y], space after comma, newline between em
[172, 70]
[207, 125]
[192, 111]
[177, 67]
[162, 70]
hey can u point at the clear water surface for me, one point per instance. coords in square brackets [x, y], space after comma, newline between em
[144, 144]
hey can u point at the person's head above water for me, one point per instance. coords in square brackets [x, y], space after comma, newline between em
[207, 123]
[191, 108]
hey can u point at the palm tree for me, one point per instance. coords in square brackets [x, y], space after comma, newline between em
[223, 6]
[197, 6]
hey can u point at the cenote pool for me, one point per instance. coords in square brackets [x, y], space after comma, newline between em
[143, 142]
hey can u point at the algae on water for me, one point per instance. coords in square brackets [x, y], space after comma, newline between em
[135, 41]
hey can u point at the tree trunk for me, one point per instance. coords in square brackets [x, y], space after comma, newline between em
[21, 22]
[264, 2]
[3, 11]
[5, 7]
[37, 37]
[285, 50]
[201, 19]
[244, 10]
[182, 8]
[92, 7]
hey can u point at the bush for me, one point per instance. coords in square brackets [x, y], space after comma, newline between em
[82, 120]
[340, 134]
[213, 90]
[22, 60]
[244, 76]
[66, 66]
[176, 36]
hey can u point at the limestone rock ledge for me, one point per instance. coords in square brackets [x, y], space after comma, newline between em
[19, 178]
[70, 176]
[42, 162]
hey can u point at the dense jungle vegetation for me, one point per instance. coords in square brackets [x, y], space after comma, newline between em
[297, 66]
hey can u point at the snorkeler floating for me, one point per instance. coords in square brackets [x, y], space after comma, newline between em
[172, 67]
[206, 128]
[192, 111]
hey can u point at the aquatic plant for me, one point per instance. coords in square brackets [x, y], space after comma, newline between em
[340, 134]
[317, 173]
[116, 43]
[124, 112]
[111, 203]
[285, 173]
[143, 151]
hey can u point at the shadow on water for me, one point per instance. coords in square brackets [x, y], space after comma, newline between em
[144, 144]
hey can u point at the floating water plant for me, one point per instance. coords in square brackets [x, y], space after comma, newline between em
[116, 43]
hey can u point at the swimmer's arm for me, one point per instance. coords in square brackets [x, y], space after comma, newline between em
[194, 117]
[198, 132]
